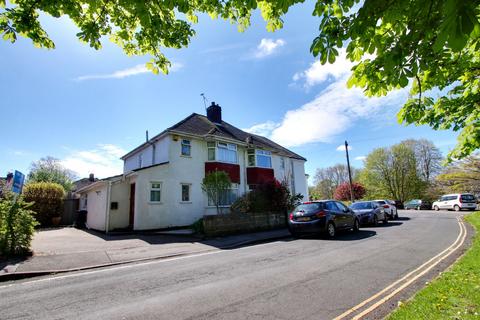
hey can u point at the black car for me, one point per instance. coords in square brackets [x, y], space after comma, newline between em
[369, 212]
[324, 216]
[418, 204]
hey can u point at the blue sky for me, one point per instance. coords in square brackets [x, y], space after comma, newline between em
[89, 107]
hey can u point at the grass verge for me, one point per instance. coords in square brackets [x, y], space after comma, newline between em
[453, 295]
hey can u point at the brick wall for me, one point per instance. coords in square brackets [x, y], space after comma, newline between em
[233, 223]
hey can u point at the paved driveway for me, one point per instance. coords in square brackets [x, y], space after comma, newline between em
[308, 278]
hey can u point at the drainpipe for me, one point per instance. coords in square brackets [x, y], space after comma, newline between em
[153, 147]
[245, 164]
[107, 209]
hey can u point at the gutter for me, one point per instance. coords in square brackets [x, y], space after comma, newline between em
[107, 208]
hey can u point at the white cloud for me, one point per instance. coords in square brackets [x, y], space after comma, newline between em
[268, 47]
[342, 148]
[331, 113]
[318, 73]
[262, 129]
[103, 161]
[120, 74]
[360, 158]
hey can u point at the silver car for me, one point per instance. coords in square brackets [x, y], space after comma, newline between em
[389, 207]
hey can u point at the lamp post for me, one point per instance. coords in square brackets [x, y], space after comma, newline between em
[349, 171]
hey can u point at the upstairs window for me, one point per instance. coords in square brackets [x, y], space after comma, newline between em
[223, 152]
[264, 159]
[186, 148]
[259, 158]
[211, 151]
[227, 152]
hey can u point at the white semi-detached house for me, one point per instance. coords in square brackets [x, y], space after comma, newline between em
[161, 182]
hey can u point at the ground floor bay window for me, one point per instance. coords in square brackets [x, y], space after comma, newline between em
[226, 197]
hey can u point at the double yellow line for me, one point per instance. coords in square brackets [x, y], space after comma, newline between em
[399, 285]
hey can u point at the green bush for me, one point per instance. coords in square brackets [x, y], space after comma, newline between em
[17, 225]
[47, 198]
[197, 226]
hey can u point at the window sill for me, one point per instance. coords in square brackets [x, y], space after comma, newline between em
[259, 167]
[155, 202]
[184, 156]
[185, 202]
[213, 207]
[236, 163]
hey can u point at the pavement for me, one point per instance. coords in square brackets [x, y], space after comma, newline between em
[70, 249]
[307, 278]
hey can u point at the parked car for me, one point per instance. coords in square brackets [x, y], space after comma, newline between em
[418, 204]
[456, 202]
[324, 216]
[389, 207]
[369, 212]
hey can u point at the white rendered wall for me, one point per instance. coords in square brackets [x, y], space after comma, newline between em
[300, 180]
[96, 208]
[161, 155]
[119, 218]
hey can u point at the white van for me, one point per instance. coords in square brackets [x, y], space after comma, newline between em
[456, 202]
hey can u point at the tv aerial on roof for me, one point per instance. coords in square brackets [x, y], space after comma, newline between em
[204, 100]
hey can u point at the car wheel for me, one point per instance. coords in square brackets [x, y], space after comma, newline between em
[436, 208]
[375, 220]
[456, 208]
[331, 230]
[356, 225]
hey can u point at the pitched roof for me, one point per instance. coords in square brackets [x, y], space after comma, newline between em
[200, 125]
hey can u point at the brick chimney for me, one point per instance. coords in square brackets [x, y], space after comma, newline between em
[214, 113]
[91, 178]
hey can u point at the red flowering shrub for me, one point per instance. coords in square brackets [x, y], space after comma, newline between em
[343, 191]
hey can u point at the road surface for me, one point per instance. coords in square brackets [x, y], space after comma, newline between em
[310, 278]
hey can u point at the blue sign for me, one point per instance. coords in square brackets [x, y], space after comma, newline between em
[18, 179]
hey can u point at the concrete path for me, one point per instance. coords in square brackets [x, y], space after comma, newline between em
[72, 249]
[308, 278]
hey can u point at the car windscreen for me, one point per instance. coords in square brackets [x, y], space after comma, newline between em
[361, 206]
[309, 207]
[380, 202]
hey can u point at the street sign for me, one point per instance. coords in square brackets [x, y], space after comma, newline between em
[18, 179]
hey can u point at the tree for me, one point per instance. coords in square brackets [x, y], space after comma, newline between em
[17, 226]
[428, 158]
[432, 44]
[50, 169]
[215, 185]
[343, 191]
[46, 199]
[328, 179]
[462, 176]
[392, 173]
